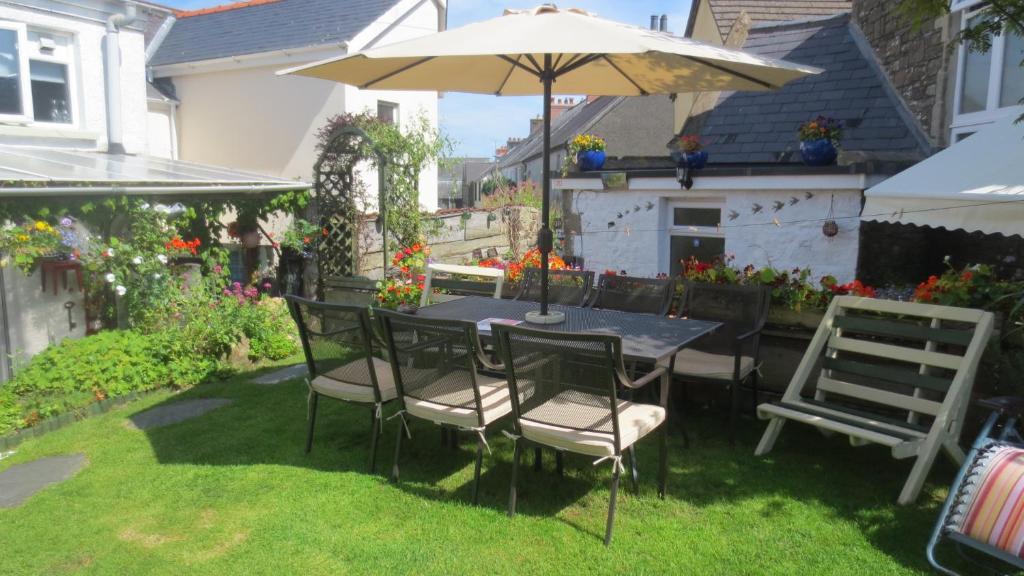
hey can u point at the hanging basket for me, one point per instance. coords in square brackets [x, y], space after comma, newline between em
[830, 228]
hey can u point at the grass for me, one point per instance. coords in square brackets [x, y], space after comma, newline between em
[232, 493]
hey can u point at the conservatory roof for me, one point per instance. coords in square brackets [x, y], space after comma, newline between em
[30, 171]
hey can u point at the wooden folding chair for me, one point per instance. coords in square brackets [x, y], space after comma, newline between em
[892, 373]
[461, 286]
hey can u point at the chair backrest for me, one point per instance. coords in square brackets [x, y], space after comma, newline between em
[434, 360]
[334, 338]
[563, 379]
[354, 291]
[885, 357]
[566, 287]
[740, 309]
[631, 294]
[453, 279]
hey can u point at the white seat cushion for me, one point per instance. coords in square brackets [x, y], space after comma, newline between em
[700, 364]
[635, 422]
[333, 384]
[494, 398]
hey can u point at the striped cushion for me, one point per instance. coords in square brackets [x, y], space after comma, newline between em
[994, 505]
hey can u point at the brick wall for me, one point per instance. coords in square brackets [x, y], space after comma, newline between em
[915, 59]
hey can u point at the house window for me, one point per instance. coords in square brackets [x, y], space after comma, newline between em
[694, 232]
[987, 84]
[387, 112]
[36, 75]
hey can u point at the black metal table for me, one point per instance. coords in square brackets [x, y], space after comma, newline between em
[645, 338]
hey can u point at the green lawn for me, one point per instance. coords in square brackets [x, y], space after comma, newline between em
[232, 493]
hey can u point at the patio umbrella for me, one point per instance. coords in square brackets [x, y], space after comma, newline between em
[546, 50]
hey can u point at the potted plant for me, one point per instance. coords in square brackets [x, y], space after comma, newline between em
[688, 152]
[403, 289]
[819, 140]
[588, 151]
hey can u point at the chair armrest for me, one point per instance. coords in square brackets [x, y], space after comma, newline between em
[749, 335]
[646, 379]
[1005, 405]
[423, 345]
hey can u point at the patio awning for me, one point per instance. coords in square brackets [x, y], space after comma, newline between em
[35, 171]
[976, 185]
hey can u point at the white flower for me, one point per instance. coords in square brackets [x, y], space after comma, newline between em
[110, 277]
[137, 260]
[161, 258]
[156, 276]
[120, 290]
[110, 252]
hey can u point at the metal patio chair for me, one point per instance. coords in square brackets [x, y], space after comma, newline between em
[436, 366]
[345, 361]
[565, 287]
[983, 509]
[730, 355]
[632, 294]
[565, 396]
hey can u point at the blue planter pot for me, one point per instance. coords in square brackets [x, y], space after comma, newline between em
[692, 160]
[590, 160]
[821, 152]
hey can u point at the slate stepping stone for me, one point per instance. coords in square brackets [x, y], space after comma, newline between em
[278, 376]
[174, 413]
[21, 481]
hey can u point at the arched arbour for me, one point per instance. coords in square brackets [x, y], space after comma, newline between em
[336, 189]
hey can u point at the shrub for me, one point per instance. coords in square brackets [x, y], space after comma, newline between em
[10, 412]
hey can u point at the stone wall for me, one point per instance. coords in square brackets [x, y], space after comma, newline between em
[457, 240]
[915, 59]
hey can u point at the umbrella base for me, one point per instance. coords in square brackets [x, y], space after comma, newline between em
[552, 317]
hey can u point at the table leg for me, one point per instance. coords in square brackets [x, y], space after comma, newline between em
[671, 410]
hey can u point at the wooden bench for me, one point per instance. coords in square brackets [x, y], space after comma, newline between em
[893, 373]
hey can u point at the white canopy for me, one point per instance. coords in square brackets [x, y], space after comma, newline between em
[976, 184]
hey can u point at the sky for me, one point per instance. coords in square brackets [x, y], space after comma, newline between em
[477, 124]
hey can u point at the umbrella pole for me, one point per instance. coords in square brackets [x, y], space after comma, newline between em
[544, 236]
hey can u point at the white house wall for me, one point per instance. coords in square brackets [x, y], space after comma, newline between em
[89, 91]
[639, 240]
[160, 129]
[37, 316]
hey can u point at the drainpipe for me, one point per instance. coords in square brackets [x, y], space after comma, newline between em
[115, 131]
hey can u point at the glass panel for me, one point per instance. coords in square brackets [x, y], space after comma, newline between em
[1013, 75]
[704, 249]
[974, 81]
[50, 95]
[696, 217]
[10, 73]
[387, 112]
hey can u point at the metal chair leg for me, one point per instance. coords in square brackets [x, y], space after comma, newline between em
[398, 448]
[559, 463]
[476, 473]
[537, 459]
[754, 392]
[663, 464]
[734, 412]
[676, 413]
[512, 493]
[611, 507]
[374, 437]
[313, 396]
[633, 474]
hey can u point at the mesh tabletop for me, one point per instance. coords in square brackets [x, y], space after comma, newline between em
[645, 337]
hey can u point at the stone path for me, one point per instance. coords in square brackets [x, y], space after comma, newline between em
[174, 413]
[278, 376]
[21, 481]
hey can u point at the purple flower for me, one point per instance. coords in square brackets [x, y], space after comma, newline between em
[66, 222]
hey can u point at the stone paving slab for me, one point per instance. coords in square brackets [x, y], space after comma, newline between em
[175, 412]
[21, 481]
[278, 376]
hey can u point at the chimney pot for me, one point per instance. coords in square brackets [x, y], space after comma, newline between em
[654, 21]
[664, 23]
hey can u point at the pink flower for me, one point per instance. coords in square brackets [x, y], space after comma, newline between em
[266, 286]
[217, 269]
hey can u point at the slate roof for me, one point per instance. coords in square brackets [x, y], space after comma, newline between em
[726, 12]
[754, 127]
[251, 28]
[570, 123]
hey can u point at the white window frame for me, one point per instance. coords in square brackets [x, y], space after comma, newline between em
[394, 107]
[970, 121]
[68, 61]
[692, 231]
[24, 84]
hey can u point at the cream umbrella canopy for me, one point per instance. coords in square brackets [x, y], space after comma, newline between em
[546, 50]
